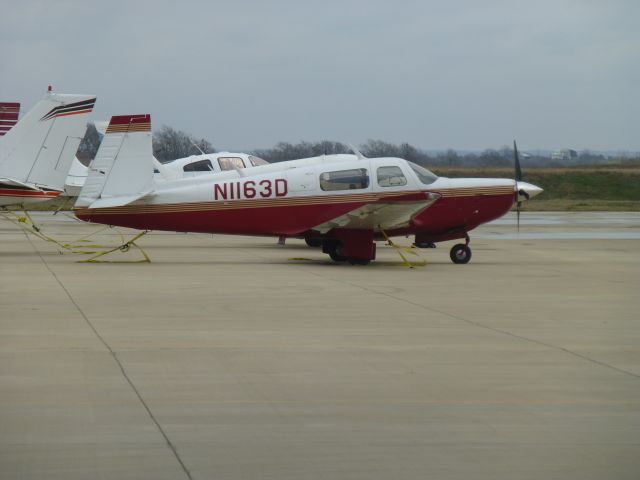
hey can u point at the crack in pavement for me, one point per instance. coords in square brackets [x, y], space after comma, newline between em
[482, 325]
[114, 355]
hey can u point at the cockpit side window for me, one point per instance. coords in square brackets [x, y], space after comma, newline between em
[199, 166]
[391, 177]
[230, 163]
[424, 175]
[355, 179]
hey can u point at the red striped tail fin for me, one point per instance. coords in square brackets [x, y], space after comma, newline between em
[122, 170]
[9, 112]
[129, 123]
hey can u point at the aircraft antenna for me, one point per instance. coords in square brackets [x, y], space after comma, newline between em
[198, 148]
[356, 151]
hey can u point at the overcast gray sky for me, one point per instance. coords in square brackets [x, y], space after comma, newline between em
[245, 74]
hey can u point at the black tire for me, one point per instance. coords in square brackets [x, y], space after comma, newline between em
[460, 253]
[359, 261]
[313, 242]
[335, 253]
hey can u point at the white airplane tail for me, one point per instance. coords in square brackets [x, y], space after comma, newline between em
[122, 170]
[9, 112]
[75, 179]
[40, 148]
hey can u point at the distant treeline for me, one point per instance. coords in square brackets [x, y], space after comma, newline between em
[169, 144]
[502, 157]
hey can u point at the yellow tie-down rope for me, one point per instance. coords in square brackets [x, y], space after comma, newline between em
[399, 249]
[124, 247]
[81, 245]
[26, 223]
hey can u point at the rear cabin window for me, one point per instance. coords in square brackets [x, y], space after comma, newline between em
[423, 174]
[199, 166]
[228, 163]
[391, 177]
[355, 179]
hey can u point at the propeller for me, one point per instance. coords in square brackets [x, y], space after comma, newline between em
[522, 192]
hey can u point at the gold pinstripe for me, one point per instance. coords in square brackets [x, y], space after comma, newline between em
[129, 127]
[292, 201]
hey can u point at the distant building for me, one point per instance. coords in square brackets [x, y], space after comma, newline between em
[564, 155]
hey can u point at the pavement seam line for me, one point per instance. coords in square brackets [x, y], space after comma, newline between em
[487, 327]
[117, 360]
[481, 325]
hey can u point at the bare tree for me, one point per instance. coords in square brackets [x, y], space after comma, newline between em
[287, 151]
[378, 148]
[169, 144]
[494, 158]
[89, 144]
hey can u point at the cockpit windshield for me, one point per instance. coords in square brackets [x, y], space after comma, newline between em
[255, 161]
[423, 174]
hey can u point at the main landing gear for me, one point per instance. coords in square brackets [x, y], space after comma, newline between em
[348, 245]
[335, 251]
[313, 242]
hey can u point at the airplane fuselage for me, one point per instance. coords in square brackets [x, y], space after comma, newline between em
[293, 199]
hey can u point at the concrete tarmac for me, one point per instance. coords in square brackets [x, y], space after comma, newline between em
[236, 358]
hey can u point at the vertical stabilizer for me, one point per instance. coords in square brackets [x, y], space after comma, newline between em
[40, 148]
[9, 112]
[122, 170]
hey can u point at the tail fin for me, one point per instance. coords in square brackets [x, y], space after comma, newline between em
[122, 170]
[9, 112]
[40, 148]
[164, 172]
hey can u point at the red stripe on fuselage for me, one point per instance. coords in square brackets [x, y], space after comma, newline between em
[11, 192]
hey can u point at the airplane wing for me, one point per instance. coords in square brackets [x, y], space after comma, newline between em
[386, 214]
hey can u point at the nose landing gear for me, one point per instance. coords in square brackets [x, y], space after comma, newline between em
[460, 252]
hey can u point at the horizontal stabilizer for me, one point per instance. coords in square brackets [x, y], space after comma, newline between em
[9, 183]
[119, 201]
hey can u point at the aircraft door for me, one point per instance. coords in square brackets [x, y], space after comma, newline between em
[388, 175]
[302, 180]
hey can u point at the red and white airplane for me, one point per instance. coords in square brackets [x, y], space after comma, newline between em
[344, 203]
[35, 155]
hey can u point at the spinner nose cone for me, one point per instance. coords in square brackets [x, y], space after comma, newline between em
[527, 191]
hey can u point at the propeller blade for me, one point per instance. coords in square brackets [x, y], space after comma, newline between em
[516, 159]
[517, 162]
